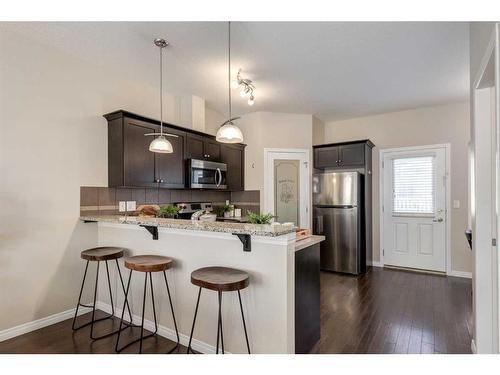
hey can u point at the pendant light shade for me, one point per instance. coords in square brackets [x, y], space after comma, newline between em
[229, 132]
[161, 145]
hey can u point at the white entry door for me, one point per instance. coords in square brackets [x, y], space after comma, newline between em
[414, 207]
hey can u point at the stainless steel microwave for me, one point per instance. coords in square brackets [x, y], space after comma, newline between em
[207, 174]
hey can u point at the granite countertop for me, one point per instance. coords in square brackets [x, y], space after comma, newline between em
[218, 226]
[309, 241]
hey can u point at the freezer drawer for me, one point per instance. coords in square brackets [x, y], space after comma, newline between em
[340, 251]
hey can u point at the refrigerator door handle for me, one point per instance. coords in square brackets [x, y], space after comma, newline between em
[318, 225]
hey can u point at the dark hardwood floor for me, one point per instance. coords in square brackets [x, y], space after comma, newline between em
[393, 311]
[60, 339]
[384, 311]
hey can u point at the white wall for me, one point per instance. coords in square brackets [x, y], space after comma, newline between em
[53, 139]
[213, 120]
[423, 126]
[271, 130]
[318, 131]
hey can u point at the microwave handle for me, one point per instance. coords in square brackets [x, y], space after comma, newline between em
[219, 173]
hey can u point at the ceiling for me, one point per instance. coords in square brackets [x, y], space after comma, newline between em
[334, 70]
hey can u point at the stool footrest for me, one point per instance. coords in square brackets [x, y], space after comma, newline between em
[88, 306]
[118, 350]
[93, 321]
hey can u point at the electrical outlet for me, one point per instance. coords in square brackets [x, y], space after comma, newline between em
[122, 206]
[131, 206]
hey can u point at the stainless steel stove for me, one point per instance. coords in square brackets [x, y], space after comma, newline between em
[187, 209]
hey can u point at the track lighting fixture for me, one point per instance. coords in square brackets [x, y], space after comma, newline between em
[246, 86]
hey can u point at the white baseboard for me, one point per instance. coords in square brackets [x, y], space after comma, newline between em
[168, 333]
[377, 264]
[40, 323]
[466, 275]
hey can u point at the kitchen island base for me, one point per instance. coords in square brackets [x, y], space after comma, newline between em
[268, 301]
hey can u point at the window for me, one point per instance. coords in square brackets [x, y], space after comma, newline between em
[413, 185]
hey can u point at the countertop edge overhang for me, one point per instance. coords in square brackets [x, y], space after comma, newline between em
[309, 241]
[220, 227]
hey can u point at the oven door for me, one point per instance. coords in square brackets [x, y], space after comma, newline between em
[207, 174]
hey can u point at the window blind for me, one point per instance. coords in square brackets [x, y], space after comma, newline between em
[413, 185]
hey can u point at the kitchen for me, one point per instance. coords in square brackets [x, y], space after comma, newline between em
[182, 157]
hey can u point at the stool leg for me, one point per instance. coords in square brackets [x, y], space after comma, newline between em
[173, 314]
[244, 325]
[95, 297]
[143, 309]
[125, 303]
[123, 288]
[80, 296]
[109, 287]
[194, 321]
[219, 325]
[153, 302]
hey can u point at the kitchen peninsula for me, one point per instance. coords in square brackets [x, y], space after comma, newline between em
[282, 301]
[269, 301]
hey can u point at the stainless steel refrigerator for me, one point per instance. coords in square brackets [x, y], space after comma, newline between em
[338, 215]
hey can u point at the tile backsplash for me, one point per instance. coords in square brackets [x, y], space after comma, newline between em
[104, 200]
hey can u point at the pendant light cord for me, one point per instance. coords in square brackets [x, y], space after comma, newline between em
[161, 91]
[229, 70]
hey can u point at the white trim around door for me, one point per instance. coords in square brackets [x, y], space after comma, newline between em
[304, 156]
[382, 154]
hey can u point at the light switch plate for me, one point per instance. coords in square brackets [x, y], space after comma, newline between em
[122, 206]
[131, 206]
[456, 203]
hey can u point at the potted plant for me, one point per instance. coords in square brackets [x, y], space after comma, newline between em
[255, 218]
[168, 212]
[227, 210]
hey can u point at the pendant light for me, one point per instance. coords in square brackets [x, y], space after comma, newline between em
[161, 144]
[229, 132]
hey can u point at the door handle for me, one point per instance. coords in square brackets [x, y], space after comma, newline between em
[437, 220]
[219, 173]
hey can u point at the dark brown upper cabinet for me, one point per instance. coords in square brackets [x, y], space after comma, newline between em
[170, 168]
[130, 163]
[234, 156]
[342, 155]
[203, 148]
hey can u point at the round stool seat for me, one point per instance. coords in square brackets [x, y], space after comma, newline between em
[148, 263]
[221, 279]
[102, 253]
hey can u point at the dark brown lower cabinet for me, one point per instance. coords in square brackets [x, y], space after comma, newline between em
[307, 298]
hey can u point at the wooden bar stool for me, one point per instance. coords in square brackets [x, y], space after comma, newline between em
[219, 279]
[147, 264]
[99, 254]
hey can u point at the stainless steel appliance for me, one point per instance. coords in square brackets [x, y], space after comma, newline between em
[188, 209]
[206, 174]
[337, 214]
